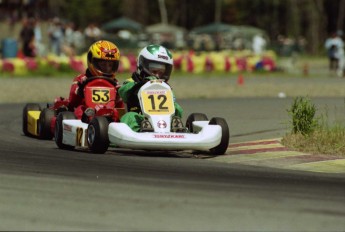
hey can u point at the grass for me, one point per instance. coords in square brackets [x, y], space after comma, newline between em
[303, 116]
[328, 141]
[45, 89]
[313, 135]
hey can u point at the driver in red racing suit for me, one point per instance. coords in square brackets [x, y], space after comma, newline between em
[102, 60]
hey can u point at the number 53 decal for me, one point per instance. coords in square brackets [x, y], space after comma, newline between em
[158, 103]
[100, 95]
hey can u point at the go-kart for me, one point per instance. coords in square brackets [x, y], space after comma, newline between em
[40, 123]
[157, 104]
[100, 100]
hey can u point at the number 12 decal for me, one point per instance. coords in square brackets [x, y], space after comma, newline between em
[79, 136]
[161, 100]
[160, 103]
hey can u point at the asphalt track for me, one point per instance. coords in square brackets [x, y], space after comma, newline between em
[44, 188]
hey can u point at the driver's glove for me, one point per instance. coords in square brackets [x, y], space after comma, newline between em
[80, 91]
[149, 78]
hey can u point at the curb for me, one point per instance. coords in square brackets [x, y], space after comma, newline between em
[271, 153]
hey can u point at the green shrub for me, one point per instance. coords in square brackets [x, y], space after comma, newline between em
[302, 114]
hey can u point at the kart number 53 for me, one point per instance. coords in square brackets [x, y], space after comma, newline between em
[100, 95]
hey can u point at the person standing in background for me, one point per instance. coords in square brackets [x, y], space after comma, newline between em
[39, 47]
[335, 51]
[56, 36]
[92, 33]
[259, 44]
[78, 40]
[68, 43]
[341, 55]
[27, 38]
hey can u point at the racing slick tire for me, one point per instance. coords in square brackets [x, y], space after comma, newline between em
[97, 135]
[195, 117]
[28, 107]
[59, 129]
[44, 123]
[224, 142]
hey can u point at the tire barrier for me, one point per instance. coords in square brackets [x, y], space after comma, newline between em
[189, 62]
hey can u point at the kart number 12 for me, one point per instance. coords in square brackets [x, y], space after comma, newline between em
[158, 103]
[79, 136]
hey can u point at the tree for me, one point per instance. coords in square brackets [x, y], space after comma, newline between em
[312, 19]
[316, 29]
[163, 11]
[340, 24]
[82, 12]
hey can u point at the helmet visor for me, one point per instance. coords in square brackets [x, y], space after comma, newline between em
[156, 69]
[107, 67]
[160, 70]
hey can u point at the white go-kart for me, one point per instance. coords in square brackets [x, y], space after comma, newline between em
[157, 104]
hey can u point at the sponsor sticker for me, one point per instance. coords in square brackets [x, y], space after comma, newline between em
[67, 127]
[169, 136]
[161, 124]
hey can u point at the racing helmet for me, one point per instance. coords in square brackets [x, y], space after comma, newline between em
[103, 58]
[154, 60]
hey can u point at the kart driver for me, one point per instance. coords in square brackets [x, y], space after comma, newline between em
[153, 62]
[102, 60]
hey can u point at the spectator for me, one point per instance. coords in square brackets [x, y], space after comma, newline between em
[68, 43]
[335, 51]
[27, 37]
[78, 41]
[92, 33]
[331, 48]
[56, 36]
[39, 47]
[259, 44]
[238, 43]
[219, 41]
[341, 55]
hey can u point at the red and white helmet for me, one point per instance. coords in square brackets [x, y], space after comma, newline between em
[103, 58]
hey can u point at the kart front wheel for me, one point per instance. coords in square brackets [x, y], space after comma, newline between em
[195, 117]
[59, 129]
[28, 107]
[44, 130]
[224, 142]
[97, 135]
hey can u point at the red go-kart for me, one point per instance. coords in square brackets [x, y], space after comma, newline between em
[100, 96]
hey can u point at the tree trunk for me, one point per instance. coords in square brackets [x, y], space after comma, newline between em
[163, 10]
[294, 26]
[218, 11]
[341, 15]
[316, 26]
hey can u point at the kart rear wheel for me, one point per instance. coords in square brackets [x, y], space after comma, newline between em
[224, 142]
[195, 117]
[28, 107]
[97, 135]
[44, 123]
[59, 129]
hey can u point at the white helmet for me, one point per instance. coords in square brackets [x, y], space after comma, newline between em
[155, 60]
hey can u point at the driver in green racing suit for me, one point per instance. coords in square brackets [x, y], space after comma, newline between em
[153, 62]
